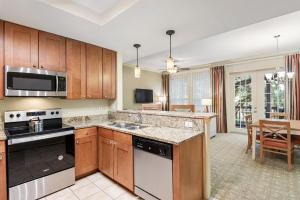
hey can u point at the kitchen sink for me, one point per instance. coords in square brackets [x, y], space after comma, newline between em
[129, 126]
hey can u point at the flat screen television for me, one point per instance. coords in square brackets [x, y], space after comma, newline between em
[143, 96]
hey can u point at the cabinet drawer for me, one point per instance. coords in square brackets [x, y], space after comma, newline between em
[86, 132]
[122, 138]
[106, 133]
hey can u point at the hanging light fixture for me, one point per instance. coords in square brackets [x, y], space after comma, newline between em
[137, 69]
[280, 74]
[171, 68]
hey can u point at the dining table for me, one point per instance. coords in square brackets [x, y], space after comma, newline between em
[295, 130]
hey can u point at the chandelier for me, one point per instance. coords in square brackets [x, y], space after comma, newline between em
[280, 74]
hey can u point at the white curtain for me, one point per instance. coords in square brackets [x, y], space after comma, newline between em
[190, 88]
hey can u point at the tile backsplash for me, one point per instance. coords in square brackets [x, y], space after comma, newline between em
[71, 108]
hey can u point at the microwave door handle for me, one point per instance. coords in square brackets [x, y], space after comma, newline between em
[56, 84]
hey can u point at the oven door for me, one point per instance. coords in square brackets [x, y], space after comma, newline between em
[22, 81]
[35, 157]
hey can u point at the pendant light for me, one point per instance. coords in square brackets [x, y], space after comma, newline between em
[170, 61]
[137, 69]
[279, 75]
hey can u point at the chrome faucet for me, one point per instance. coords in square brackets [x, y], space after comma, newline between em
[139, 118]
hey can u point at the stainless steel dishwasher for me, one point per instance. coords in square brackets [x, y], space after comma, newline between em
[152, 169]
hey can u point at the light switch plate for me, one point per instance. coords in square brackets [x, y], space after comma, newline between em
[188, 124]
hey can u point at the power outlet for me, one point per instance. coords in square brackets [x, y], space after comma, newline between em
[188, 124]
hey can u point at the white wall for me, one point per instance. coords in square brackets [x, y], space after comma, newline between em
[148, 80]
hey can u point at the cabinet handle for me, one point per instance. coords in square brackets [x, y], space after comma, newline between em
[77, 142]
[34, 66]
[1, 156]
[42, 67]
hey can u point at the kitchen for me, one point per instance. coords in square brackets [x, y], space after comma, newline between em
[44, 150]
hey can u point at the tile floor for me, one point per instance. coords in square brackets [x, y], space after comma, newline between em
[93, 187]
[235, 176]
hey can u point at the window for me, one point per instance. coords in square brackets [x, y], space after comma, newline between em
[274, 97]
[242, 99]
[190, 88]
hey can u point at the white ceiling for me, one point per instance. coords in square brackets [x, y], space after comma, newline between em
[255, 40]
[118, 24]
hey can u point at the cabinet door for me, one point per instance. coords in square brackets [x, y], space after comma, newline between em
[94, 71]
[3, 191]
[109, 74]
[76, 69]
[106, 154]
[21, 46]
[52, 52]
[123, 160]
[86, 159]
[1, 59]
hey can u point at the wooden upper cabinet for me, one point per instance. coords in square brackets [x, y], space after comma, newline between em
[21, 46]
[94, 72]
[86, 159]
[1, 59]
[109, 74]
[52, 52]
[3, 187]
[76, 69]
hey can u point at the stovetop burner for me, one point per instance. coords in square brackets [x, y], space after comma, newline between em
[16, 127]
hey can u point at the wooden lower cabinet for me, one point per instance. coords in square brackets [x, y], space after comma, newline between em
[3, 188]
[86, 157]
[116, 156]
[106, 156]
[1, 59]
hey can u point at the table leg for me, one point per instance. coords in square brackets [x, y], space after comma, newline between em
[253, 142]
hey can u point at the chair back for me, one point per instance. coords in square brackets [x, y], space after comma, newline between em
[182, 107]
[248, 120]
[152, 106]
[279, 115]
[275, 132]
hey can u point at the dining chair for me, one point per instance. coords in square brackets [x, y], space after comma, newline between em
[152, 106]
[248, 120]
[275, 137]
[182, 107]
[279, 115]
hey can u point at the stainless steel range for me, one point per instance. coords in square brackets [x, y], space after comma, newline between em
[40, 153]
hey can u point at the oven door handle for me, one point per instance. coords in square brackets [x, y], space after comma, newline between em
[39, 137]
[56, 84]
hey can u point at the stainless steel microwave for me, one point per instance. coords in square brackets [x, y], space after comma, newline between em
[32, 82]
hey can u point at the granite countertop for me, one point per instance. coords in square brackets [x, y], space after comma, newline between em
[194, 115]
[163, 134]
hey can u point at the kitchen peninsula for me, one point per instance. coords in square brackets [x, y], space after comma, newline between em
[111, 144]
[191, 174]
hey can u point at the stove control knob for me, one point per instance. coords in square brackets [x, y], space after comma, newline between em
[52, 113]
[11, 115]
[18, 115]
[57, 112]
